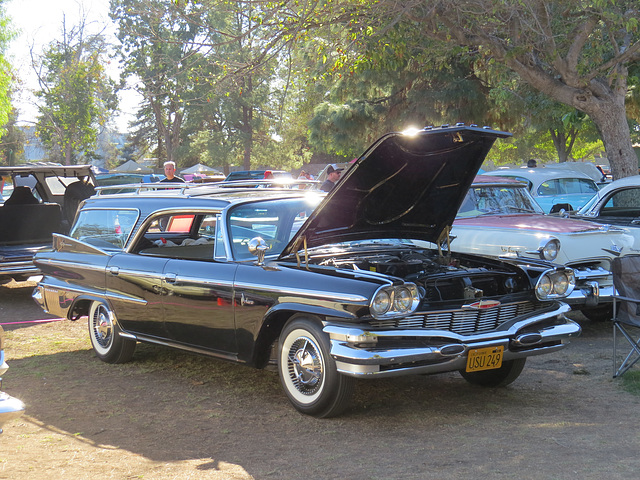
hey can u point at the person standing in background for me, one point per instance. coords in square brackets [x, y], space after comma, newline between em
[333, 175]
[170, 173]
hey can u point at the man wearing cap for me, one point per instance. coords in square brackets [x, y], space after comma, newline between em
[333, 175]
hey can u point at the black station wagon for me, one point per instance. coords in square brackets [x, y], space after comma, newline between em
[332, 288]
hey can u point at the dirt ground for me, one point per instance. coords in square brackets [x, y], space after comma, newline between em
[171, 415]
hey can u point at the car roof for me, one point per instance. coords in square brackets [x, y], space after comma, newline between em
[47, 170]
[632, 181]
[494, 180]
[540, 174]
[152, 197]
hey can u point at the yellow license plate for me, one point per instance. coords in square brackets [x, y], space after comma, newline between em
[484, 358]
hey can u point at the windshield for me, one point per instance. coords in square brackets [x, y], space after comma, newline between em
[496, 200]
[276, 222]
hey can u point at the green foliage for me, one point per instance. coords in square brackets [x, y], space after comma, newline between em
[204, 78]
[77, 95]
[6, 75]
[12, 142]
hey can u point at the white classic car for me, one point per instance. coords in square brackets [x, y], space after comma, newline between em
[617, 203]
[499, 218]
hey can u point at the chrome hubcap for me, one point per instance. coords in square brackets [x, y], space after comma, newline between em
[102, 327]
[305, 366]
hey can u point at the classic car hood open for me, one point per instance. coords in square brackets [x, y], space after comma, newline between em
[404, 186]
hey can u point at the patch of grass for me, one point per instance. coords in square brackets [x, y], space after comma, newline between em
[631, 382]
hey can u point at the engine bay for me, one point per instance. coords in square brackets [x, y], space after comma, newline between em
[438, 277]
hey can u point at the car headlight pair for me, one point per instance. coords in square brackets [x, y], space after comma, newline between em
[395, 300]
[555, 283]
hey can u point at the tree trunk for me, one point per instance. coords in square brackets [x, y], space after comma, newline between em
[614, 130]
[605, 105]
[247, 120]
[560, 142]
[247, 116]
[67, 153]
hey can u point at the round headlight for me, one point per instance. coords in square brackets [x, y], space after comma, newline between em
[381, 303]
[544, 286]
[403, 299]
[550, 250]
[560, 284]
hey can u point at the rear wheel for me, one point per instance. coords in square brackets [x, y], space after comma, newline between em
[498, 377]
[308, 373]
[106, 341]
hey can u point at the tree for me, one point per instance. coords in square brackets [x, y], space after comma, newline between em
[183, 54]
[12, 142]
[159, 48]
[77, 95]
[577, 53]
[6, 78]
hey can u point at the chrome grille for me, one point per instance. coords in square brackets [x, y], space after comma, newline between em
[463, 322]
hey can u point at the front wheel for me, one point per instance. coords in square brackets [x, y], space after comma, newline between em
[308, 373]
[106, 341]
[599, 314]
[498, 377]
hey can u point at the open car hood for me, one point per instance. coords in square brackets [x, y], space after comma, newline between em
[404, 186]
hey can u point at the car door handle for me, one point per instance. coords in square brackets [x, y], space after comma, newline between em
[170, 277]
[114, 270]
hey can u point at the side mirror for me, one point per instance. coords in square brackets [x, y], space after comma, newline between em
[258, 247]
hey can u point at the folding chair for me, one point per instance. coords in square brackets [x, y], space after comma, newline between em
[626, 309]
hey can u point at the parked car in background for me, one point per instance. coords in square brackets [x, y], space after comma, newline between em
[553, 188]
[108, 179]
[37, 201]
[498, 217]
[256, 174]
[617, 203]
[330, 287]
[10, 407]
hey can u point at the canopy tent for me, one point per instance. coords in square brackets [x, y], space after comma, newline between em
[132, 167]
[97, 170]
[201, 168]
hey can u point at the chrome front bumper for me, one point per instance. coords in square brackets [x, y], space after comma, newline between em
[369, 353]
[590, 294]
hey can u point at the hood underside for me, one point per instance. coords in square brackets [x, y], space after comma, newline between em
[403, 186]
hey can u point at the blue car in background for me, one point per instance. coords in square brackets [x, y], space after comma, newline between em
[553, 188]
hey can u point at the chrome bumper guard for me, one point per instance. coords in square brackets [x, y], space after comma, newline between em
[357, 351]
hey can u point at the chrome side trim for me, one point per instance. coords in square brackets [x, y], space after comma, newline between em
[331, 296]
[66, 264]
[180, 346]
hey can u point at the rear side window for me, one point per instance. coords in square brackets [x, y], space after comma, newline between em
[104, 228]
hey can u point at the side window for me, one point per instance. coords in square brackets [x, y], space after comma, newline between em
[588, 186]
[625, 202]
[104, 228]
[183, 236]
[550, 187]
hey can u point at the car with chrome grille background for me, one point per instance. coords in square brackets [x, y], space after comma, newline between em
[331, 288]
[499, 218]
